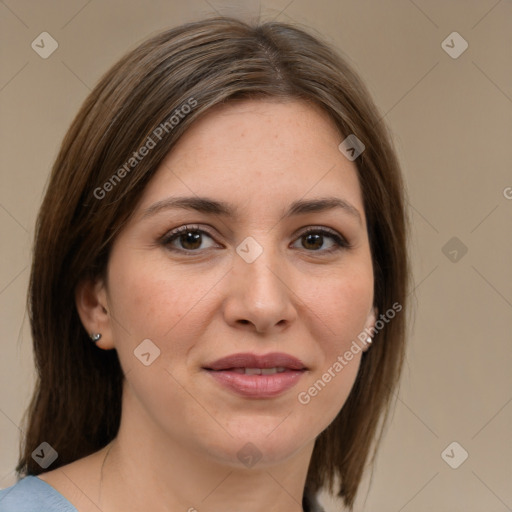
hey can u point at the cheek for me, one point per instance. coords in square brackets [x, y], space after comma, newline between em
[340, 310]
[330, 388]
[150, 303]
[340, 307]
[150, 299]
[155, 300]
[324, 393]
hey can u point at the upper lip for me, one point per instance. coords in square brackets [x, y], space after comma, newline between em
[248, 360]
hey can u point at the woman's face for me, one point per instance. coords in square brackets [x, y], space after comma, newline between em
[248, 282]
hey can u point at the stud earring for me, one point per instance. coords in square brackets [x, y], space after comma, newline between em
[95, 337]
[368, 340]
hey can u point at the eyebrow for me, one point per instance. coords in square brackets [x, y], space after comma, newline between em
[213, 207]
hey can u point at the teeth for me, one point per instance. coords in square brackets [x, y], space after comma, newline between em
[258, 371]
[264, 371]
[253, 371]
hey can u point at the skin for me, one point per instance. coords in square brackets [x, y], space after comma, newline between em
[180, 430]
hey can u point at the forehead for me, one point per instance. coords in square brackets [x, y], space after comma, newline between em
[291, 125]
[258, 152]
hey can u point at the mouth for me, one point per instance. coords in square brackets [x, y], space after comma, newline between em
[277, 361]
[256, 371]
[254, 376]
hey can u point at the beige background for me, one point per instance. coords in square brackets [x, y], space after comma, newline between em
[452, 122]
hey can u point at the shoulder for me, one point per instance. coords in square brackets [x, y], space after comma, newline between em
[31, 494]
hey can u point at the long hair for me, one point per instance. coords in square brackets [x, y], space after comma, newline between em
[76, 406]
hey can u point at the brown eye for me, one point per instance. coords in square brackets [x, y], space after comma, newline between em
[314, 240]
[187, 239]
[190, 240]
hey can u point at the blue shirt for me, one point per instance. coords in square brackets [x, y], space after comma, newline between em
[31, 494]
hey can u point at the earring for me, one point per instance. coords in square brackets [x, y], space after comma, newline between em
[95, 337]
[368, 340]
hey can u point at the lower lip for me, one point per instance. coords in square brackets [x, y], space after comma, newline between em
[257, 386]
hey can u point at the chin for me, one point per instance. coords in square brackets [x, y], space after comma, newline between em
[261, 443]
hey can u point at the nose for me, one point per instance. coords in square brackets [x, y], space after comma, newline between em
[259, 295]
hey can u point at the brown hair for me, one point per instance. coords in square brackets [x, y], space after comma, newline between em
[76, 406]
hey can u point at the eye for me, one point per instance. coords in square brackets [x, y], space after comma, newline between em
[187, 239]
[313, 239]
[190, 239]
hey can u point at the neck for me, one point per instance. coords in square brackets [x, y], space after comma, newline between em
[146, 469]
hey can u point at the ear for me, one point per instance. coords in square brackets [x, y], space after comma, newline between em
[370, 324]
[91, 303]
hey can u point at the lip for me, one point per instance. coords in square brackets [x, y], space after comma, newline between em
[257, 386]
[249, 360]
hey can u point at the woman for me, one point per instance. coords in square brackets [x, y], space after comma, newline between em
[218, 282]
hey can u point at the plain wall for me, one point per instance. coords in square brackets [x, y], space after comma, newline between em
[452, 123]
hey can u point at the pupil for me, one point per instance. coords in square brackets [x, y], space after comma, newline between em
[317, 239]
[191, 238]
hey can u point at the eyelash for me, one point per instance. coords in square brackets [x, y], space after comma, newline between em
[339, 241]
